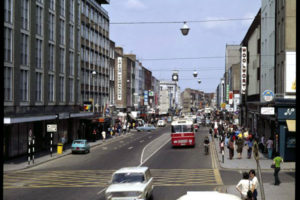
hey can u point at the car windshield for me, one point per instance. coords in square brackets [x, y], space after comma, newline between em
[128, 178]
[78, 142]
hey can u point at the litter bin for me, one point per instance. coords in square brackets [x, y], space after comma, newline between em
[59, 148]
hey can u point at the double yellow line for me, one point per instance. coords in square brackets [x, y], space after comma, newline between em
[214, 163]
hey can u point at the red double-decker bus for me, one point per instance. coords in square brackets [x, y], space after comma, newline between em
[182, 133]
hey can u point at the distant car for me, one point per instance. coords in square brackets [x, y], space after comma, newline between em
[80, 146]
[213, 195]
[161, 123]
[130, 183]
[146, 127]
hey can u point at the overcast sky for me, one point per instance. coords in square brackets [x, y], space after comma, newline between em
[165, 42]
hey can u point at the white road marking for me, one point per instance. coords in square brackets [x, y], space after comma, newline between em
[130, 148]
[142, 162]
[141, 141]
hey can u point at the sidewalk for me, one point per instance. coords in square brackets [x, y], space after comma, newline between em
[284, 191]
[42, 157]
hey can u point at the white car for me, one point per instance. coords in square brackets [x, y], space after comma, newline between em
[211, 195]
[130, 183]
[161, 123]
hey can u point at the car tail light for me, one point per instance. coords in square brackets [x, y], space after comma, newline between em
[77, 148]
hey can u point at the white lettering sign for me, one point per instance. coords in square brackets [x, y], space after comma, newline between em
[119, 79]
[243, 70]
[267, 110]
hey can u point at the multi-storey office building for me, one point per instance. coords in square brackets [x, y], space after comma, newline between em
[95, 55]
[41, 72]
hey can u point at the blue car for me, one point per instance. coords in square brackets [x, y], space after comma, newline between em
[146, 127]
[80, 146]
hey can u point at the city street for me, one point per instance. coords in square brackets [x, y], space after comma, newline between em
[175, 170]
[86, 176]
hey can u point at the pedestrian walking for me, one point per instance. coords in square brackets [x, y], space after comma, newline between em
[270, 147]
[231, 148]
[240, 144]
[103, 135]
[94, 135]
[262, 144]
[250, 145]
[124, 128]
[254, 182]
[277, 161]
[119, 129]
[244, 186]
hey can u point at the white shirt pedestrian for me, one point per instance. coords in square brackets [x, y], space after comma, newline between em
[243, 186]
[103, 135]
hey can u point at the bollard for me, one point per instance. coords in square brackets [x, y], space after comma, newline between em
[33, 151]
[51, 143]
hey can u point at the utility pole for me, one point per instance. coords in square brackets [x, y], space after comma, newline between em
[256, 156]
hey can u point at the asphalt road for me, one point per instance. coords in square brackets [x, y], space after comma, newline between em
[86, 176]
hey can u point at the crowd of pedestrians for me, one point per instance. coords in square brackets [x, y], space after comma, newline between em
[235, 138]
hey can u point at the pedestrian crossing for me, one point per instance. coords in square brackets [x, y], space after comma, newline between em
[100, 178]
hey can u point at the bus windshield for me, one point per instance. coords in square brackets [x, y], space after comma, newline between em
[182, 128]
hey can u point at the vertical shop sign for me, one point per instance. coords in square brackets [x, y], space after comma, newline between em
[243, 70]
[119, 78]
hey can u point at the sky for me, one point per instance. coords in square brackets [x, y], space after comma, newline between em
[162, 48]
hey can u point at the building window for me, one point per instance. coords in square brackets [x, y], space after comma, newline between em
[51, 26]
[71, 59]
[51, 57]
[62, 32]
[24, 50]
[25, 14]
[39, 53]
[8, 11]
[61, 89]
[78, 66]
[52, 5]
[72, 10]
[7, 83]
[24, 85]
[39, 20]
[51, 88]
[8, 45]
[71, 28]
[71, 89]
[39, 87]
[62, 60]
[62, 7]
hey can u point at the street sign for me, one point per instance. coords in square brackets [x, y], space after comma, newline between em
[267, 110]
[268, 95]
[51, 127]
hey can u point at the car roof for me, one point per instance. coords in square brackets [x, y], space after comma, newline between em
[132, 170]
[212, 195]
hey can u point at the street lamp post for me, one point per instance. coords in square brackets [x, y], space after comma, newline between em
[94, 73]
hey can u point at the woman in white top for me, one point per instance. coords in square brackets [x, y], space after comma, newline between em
[254, 181]
[244, 185]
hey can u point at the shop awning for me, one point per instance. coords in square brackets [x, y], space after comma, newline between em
[291, 125]
[15, 120]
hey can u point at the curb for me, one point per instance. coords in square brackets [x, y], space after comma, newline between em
[26, 167]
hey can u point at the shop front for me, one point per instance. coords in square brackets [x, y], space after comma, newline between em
[286, 129]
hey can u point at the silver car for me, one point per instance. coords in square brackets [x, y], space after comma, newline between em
[130, 183]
